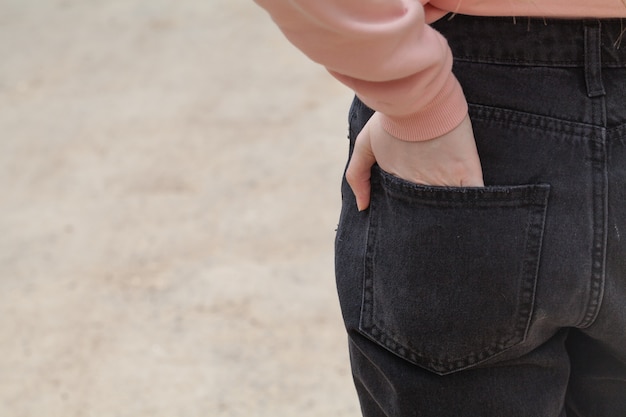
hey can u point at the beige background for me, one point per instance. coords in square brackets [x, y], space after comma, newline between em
[170, 188]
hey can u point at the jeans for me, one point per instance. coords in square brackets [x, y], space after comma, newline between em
[507, 300]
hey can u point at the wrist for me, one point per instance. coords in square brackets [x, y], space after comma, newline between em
[442, 115]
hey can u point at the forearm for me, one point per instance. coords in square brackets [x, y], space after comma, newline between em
[385, 52]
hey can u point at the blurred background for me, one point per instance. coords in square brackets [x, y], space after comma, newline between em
[169, 176]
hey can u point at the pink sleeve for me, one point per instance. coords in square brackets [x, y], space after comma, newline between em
[383, 50]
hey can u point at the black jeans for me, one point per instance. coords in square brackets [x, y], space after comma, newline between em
[508, 300]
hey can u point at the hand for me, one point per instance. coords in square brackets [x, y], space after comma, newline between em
[449, 160]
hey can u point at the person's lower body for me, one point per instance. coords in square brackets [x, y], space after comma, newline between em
[509, 300]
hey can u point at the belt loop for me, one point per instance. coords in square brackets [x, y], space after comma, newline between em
[593, 59]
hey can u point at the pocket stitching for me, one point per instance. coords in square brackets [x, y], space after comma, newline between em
[534, 198]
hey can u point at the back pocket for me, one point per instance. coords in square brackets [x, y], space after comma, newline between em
[450, 273]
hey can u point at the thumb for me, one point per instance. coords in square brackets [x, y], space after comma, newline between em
[359, 169]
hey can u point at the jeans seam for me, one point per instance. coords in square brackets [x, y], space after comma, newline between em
[600, 233]
[513, 117]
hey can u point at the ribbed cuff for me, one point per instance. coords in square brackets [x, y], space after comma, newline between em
[443, 114]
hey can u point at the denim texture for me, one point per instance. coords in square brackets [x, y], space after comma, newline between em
[507, 300]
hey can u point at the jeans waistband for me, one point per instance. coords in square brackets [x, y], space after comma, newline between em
[536, 41]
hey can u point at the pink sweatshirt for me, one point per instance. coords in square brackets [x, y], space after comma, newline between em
[394, 61]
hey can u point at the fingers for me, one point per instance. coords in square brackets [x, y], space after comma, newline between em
[359, 170]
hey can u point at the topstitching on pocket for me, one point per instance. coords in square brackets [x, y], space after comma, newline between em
[450, 273]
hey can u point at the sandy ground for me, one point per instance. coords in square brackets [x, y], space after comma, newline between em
[170, 189]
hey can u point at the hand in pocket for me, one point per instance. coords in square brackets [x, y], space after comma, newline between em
[449, 160]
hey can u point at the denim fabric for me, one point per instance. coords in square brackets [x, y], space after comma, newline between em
[508, 300]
